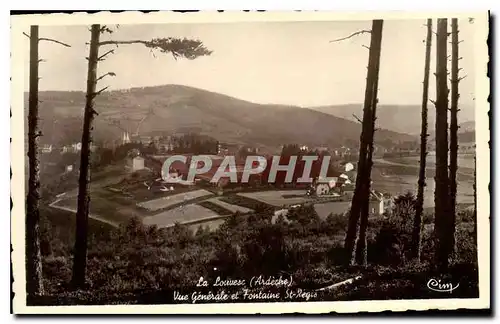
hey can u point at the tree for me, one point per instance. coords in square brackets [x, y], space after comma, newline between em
[80, 250]
[454, 126]
[475, 201]
[417, 224]
[362, 190]
[361, 251]
[441, 193]
[179, 48]
[34, 282]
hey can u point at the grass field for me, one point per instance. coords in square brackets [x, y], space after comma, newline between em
[276, 198]
[326, 209]
[101, 207]
[231, 207]
[169, 201]
[182, 214]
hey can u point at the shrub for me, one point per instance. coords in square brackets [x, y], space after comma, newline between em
[392, 243]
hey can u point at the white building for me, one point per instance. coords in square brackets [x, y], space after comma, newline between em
[137, 163]
[47, 148]
[348, 166]
[76, 147]
[376, 203]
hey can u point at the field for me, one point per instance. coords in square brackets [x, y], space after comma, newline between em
[399, 175]
[232, 208]
[464, 161]
[172, 200]
[111, 211]
[277, 198]
[325, 209]
[181, 214]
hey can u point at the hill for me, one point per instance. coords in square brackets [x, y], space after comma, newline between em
[176, 108]
[466, 133]
[398, 118]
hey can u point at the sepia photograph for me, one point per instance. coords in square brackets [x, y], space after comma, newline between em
[250, 162]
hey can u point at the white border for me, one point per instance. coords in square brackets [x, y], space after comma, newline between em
[482, 137]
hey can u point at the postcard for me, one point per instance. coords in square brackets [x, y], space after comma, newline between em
[250, 162]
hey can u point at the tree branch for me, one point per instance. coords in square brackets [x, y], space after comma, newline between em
[100, 91]
[26, 35]
[364, 31]
[367, 47]
[359, 120]
[54, 41]
[100, 58]
[105, 29]
[94, 112]
[104, 75]
[186, 48]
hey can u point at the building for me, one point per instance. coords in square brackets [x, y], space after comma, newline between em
[137, 163]
[348, 166]
[46, 148]
[125, 138]
[377, 201]
[76, 147]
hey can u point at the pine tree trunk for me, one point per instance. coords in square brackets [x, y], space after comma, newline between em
[417, 223]
[34, 281]
[441, 194]
[360, 192]
[361, 246]
[82, 214]
[475, 201]
[453, 129]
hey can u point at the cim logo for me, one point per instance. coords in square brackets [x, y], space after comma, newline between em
[437, 285]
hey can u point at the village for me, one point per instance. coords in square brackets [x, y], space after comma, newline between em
[138, 184]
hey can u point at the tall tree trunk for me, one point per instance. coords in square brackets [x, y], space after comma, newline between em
[441, 194]
[475, 200]
[453, 129]
[82, 214]
[361, 246]
[34, 281]
[361, 190]
[417, 222]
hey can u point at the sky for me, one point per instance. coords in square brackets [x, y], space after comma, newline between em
[291, 63]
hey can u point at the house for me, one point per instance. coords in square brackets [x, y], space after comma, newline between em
[46, 148]
[376, 206]
[322, 149]
[348, 166]
[76, 147]
[137, 163]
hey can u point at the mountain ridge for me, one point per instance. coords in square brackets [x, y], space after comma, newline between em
[398, 118]
[172, 108]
